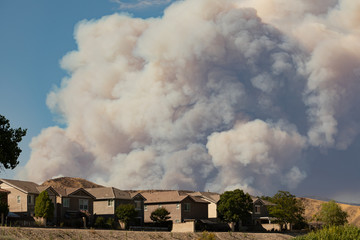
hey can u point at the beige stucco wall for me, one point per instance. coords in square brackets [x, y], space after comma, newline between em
[101, 207]
[212, 210]
[183, 227]
[14, 206]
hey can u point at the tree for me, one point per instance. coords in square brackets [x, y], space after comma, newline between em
[234, 206]
[126, 213]
[44, 207]
[288, 209]
[160, 215]
[332, 214]
[9, 139]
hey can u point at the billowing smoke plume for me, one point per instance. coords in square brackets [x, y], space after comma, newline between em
[216, 94]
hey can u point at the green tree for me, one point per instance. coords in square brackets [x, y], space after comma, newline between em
[4, 208]
[126, 213]
[234, 206]
[287, 209]
[160, 215]
[9, 139]
[332, 214]
[44, 207]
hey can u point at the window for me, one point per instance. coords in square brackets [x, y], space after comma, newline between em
[110, 203]
[137, 205]
[159, 206]
[66, 202]
[84, 204]
[177, 221]
[145, 207]
[178, 206]
[18, 199]
[257, 209]
[187, 207]
[30, 199]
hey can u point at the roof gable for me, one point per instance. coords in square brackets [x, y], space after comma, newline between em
[109, 193]
[24, 186]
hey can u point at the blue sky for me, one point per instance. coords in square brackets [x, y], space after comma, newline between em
[35, 35]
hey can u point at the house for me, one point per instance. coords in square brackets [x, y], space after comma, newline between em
[212, 198]
[180, 204]
[107, 199]
[260, 214]
[73, 203]
[22, 195]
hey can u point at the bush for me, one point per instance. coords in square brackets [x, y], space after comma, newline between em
[333, 233]
[110, 223]
[100, 222]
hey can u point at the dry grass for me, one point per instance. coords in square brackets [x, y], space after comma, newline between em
[10, 233]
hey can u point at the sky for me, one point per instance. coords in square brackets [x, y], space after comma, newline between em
[197, 94]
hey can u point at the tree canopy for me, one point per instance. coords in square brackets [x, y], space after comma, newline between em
[126, 213]
[44, 207]
[160, 215]
[9, 139]
[332, 214]
[288, 209]
[234, 206]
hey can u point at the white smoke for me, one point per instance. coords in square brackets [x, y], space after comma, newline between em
[215, 94]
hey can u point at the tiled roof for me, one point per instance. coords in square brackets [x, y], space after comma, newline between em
[24, 186]
[169, 196]
[109, 193]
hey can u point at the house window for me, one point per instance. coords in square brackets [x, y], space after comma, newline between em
[84, 204]
[178, 206]
[145, 207]
[138, 205]
[30, 199]
[110, 203]
[257, 209]
[177, 221]
[187, 207]
[66, 202]
[18, 199]
[159, 206]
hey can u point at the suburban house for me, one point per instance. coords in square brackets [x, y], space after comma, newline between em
[107, 199]
[22, 195]
[260, 214]
[73, 203]
[180, 204]
[212, 198]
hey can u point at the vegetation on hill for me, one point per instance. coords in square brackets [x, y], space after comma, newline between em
[63, 182]
[332, 214]
[333, 233]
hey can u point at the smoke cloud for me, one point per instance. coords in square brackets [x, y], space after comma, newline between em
[216, 94]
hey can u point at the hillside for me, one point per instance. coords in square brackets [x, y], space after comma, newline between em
[70, 182]
[313, 206]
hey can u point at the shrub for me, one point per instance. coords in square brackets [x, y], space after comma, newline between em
[333, 233]
[44, 207]
[100, 222]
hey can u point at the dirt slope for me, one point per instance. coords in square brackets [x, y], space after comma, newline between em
[70, 182]
[313, 206]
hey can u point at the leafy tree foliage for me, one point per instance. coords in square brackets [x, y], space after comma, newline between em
[160, 215]
[234, 206]
[9, 139]
[44, 207]
[126, 213]
[288, 209]
[332, 214]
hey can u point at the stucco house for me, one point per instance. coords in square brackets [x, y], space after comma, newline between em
[107, 199]
[73, 202]
[212, 198]
[22, 195]
[180, 204]
[260, 214]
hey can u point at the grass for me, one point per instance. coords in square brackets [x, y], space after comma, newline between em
[333, 233]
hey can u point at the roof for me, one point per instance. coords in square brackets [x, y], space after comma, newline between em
[209, 196]
[109, 193]
[24, 186]
[264, 202]
[4, 191]
[169, 196]
[65, 192]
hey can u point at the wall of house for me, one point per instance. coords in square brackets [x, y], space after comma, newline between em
[197, 210]
[14, 206]
[263, 211]
[175, 213]
[101, 207]
[212, 210]
[74, 205]
[183, 227]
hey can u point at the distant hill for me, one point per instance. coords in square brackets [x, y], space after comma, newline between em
[313, 206]
[63, 182]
